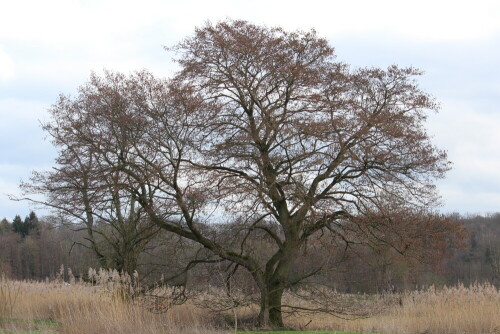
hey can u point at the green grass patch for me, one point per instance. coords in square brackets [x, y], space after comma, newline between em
[45, 322]
[22, 326]
[26, 331]
[300, 332]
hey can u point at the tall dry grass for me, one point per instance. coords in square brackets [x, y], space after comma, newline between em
[9, 292]
[449, 310]
[83, 308]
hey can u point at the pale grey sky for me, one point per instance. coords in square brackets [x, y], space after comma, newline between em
[50, 47]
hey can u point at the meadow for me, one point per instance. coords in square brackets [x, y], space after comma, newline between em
[58, 307]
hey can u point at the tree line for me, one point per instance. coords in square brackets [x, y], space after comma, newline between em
[39, 255]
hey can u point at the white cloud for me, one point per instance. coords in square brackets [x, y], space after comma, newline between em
[51, 46]
[98, 22]
[15, 112]
[470, 135]
[480, 202]
[6, 66]
[11, 208]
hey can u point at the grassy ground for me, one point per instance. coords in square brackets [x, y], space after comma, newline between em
[299, 332]
[52, 331]
[48, 326]
[28, 307]
[21, 326]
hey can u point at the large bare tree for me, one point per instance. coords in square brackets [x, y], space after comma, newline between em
[264, 131]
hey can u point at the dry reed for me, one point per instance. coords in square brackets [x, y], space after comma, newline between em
[84, 308]
[449, 310]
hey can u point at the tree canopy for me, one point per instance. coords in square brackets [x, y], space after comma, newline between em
[264, 131]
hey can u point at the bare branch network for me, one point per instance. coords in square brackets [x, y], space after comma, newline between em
[262, 135]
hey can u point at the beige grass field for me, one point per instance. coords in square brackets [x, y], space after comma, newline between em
[33, 307]
[457, 310]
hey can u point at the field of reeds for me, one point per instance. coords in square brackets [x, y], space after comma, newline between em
[59, 307]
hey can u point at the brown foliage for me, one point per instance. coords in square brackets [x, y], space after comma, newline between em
[264, 130]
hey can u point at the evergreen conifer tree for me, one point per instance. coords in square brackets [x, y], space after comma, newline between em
[18, 225]
[5, 226]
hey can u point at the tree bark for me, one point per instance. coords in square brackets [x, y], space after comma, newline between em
[272, 292]
[263, 318]
[270, 315]
[275, 315]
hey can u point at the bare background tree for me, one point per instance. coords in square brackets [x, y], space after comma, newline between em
[90, 197]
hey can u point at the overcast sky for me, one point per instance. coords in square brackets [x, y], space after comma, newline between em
[50, 47]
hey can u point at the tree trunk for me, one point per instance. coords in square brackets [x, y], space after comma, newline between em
[272, 292]
[275, 316]
[129, 261]
[264, 309]
[270, 316]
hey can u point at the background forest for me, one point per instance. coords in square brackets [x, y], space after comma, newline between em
[34, 248]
